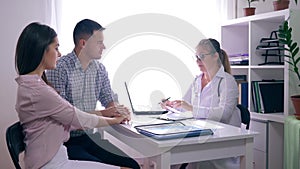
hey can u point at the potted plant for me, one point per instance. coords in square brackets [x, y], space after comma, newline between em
[292, 50]
[281, 4]
[249, 10]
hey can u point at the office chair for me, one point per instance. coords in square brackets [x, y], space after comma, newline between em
[15, 143]
[245, 115]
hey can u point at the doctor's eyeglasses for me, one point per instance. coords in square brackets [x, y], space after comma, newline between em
[202, 56]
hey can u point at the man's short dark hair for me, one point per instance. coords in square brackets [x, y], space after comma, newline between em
[85, 29]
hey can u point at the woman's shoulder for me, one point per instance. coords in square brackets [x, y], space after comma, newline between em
[228, 79]
[229, 76]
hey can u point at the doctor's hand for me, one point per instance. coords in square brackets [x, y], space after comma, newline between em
[181, 104]
[165, 102]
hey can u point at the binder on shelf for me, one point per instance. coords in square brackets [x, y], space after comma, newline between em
[267, 96]
[253, 96]
[243, 93]
[257, 95]
[272, 96]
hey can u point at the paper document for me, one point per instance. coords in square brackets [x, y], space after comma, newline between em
[172, 109]
[174, 115]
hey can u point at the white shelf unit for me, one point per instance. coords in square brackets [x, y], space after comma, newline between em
[243, 35]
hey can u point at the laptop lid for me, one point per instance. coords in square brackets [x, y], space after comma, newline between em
[142, 112]
[129, 96]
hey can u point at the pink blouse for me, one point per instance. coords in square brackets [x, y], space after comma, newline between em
[46, 118]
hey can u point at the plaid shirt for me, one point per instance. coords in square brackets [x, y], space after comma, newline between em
[81, 88]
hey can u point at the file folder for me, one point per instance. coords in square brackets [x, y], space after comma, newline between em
[165, 131]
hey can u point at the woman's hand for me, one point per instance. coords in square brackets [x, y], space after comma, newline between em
[121, 118]
[106, 121]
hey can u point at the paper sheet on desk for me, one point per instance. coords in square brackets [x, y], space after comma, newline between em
[205, 124]
[174, 116]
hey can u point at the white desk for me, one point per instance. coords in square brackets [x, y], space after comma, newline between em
[227, 141]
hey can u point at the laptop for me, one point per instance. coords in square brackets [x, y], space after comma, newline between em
[143, 112]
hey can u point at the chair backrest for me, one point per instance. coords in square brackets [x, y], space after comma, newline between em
[245, 115]
[15, 142]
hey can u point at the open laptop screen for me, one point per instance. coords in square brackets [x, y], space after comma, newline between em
[142, 112]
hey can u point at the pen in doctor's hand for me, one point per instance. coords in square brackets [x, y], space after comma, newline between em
[164, 100]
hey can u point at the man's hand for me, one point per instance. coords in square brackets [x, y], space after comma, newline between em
[115, 111]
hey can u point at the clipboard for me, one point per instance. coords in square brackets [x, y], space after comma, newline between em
[175, 130]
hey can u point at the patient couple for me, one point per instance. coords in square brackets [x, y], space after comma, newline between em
[57, 107]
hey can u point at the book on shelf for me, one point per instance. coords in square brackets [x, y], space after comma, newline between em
[267, 96]
[243, 89]
[255, 96]
[243, 93]
[240, 78]
[239, 59]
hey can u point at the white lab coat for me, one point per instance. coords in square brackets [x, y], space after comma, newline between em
[218, 99]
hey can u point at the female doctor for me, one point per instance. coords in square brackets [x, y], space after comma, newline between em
[213, 95]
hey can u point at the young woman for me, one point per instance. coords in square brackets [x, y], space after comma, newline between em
[213, 95]
[45, 116]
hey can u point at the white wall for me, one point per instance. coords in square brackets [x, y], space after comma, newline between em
[14, 16]
[143, 31]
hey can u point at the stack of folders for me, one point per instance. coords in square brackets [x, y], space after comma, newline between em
[267, 96]
[166, 131]
[239, 59]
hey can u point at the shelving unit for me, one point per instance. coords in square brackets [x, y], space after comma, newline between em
[243, 35]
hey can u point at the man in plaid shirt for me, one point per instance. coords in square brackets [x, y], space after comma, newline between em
[82, 80]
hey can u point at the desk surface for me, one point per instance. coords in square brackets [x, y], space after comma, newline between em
[221, 131]
[227, 141]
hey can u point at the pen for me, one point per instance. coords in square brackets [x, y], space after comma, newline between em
[164, 100]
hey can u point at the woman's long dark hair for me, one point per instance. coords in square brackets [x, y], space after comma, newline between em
[32, 43]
